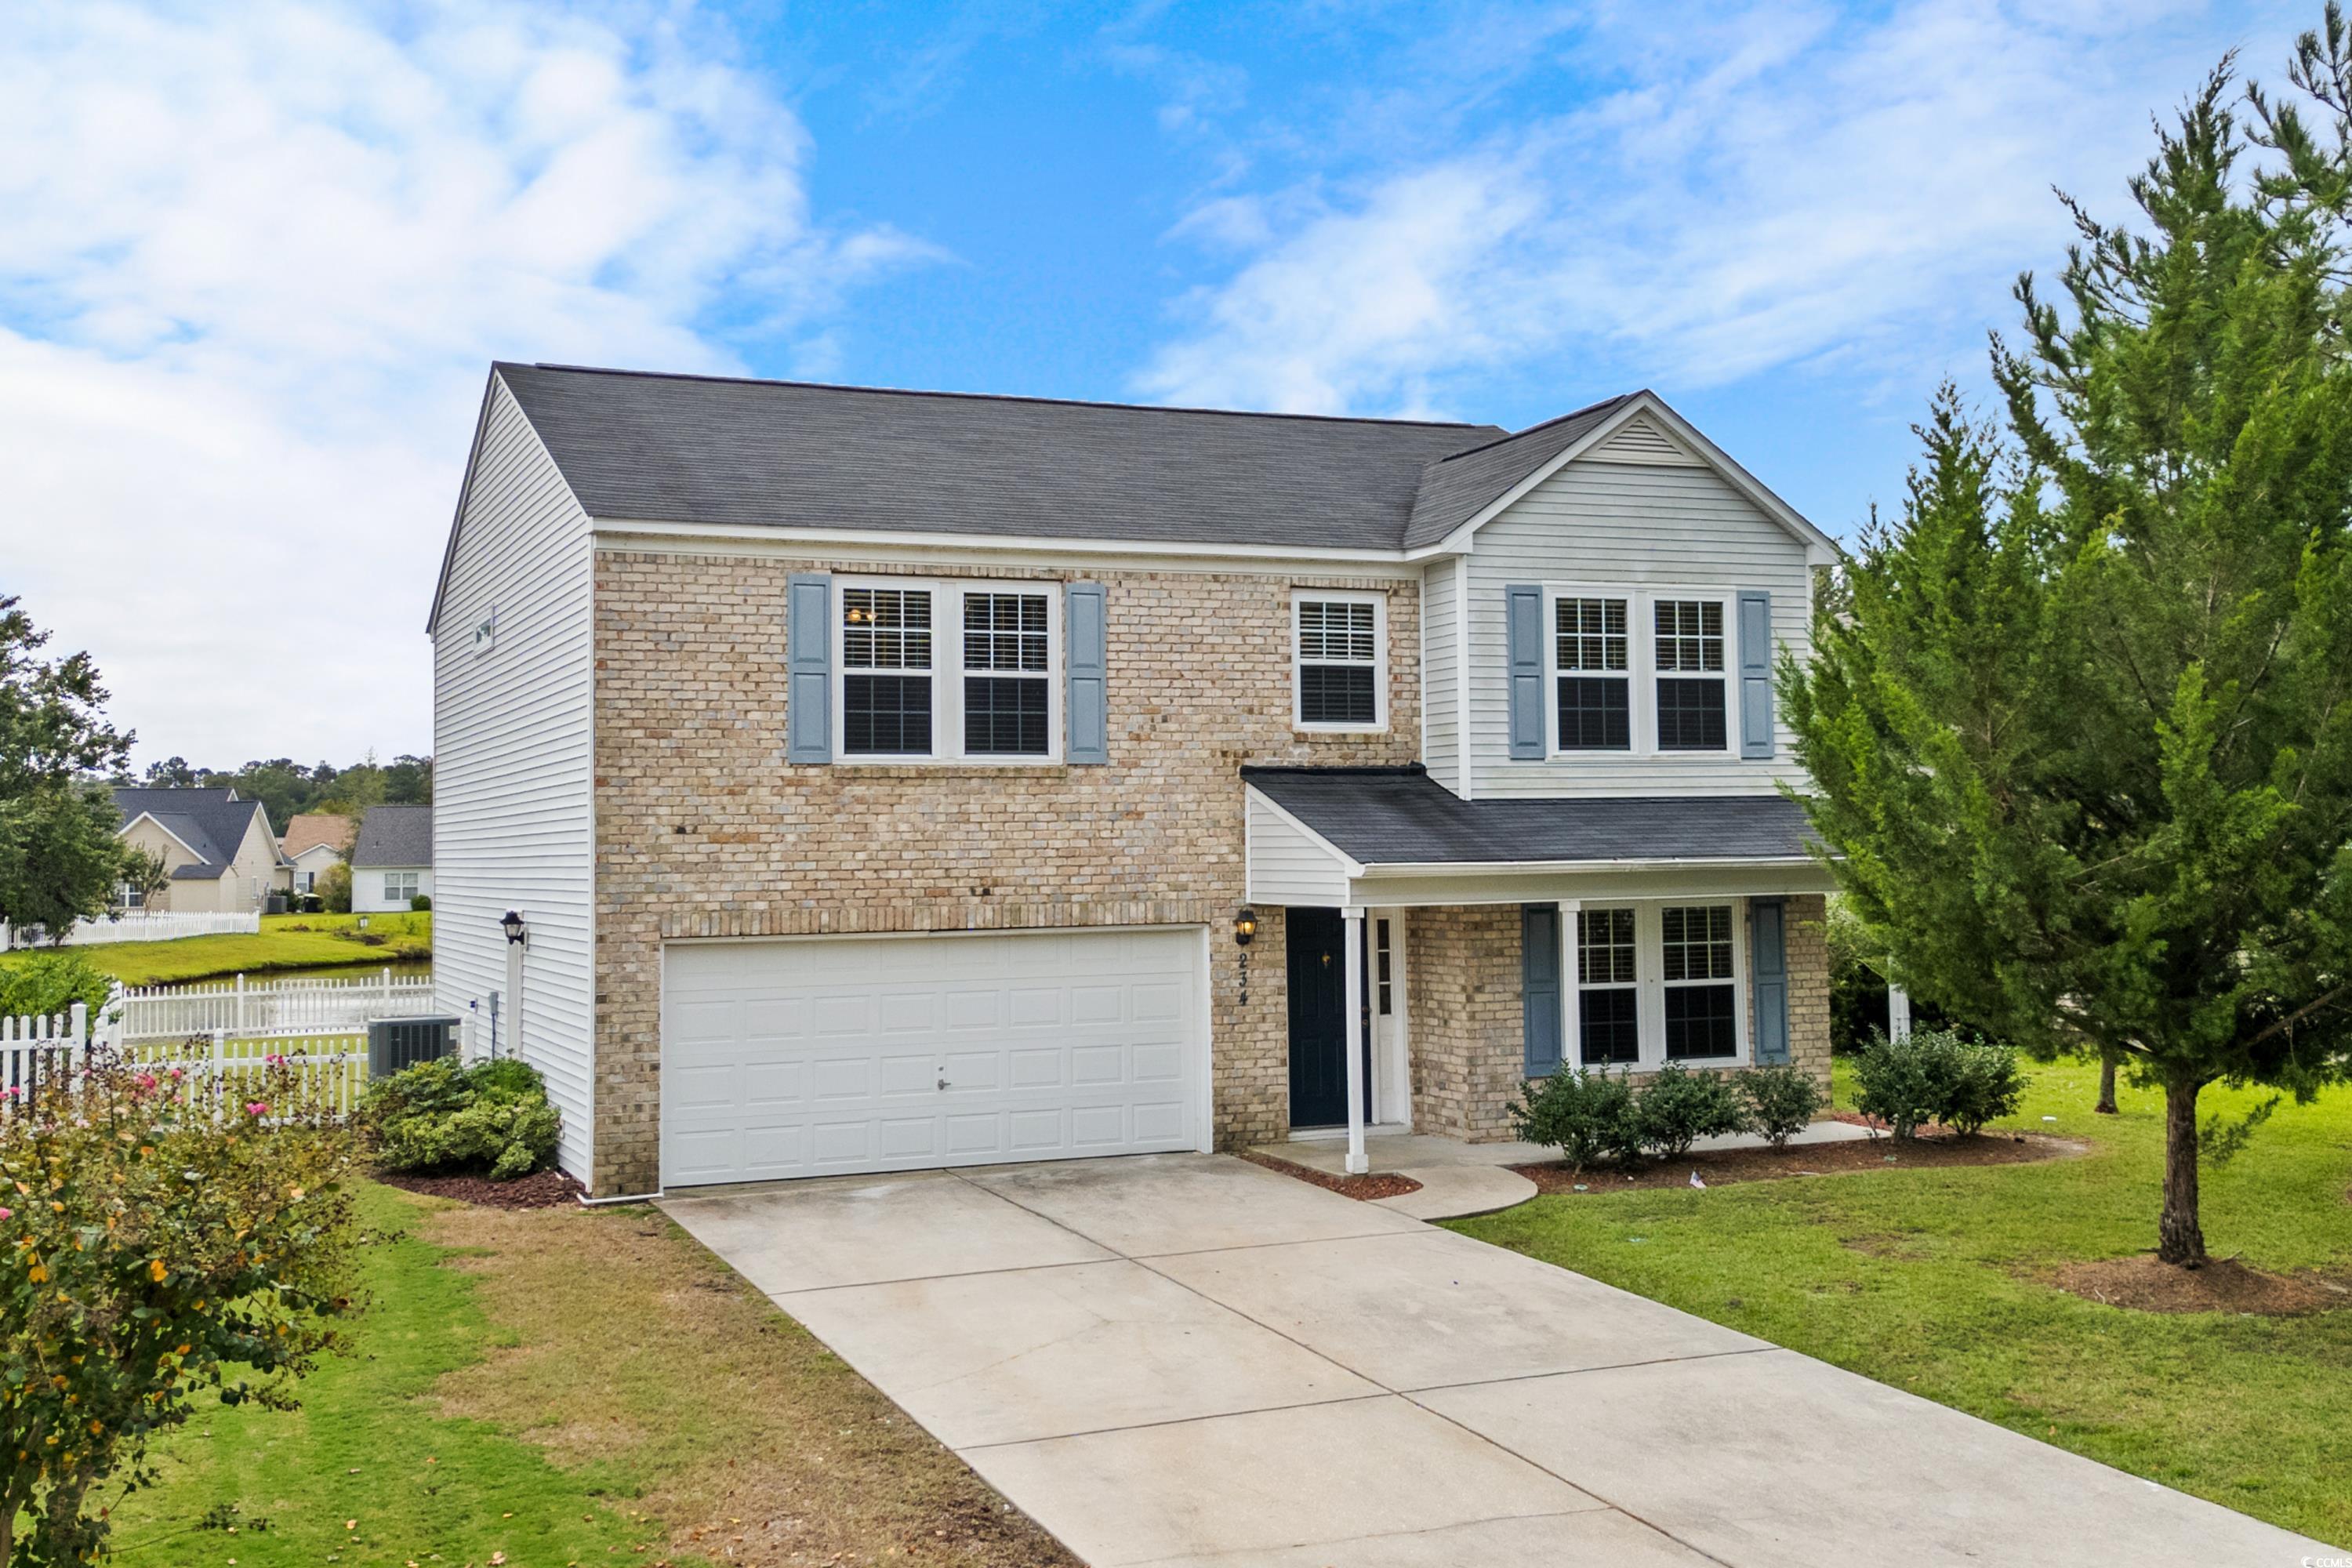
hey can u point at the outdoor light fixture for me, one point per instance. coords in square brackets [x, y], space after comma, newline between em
[512, 921]
[1246, 926]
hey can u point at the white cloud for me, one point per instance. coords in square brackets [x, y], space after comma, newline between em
[255, 261]
[1750, 189]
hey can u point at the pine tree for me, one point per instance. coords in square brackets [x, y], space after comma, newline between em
[2079, 721]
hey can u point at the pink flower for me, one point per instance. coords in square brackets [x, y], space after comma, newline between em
[7, 1213]
[147, 1080]
[11, 1092]
[256, 1107]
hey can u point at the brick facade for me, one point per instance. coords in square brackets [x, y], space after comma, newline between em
[1466, 1019]
[702, 828]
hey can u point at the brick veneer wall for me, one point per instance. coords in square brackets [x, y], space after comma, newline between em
[1465, 1019]
[702, 828]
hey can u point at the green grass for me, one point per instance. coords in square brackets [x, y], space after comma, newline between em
[618, 1413]
[1926, 1280]
[329, 940]
[369, 1444]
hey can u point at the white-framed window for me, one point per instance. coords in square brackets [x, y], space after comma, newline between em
[127, 897]
[1608, 994]
[939, 672]
[400, 885]
[306, 882]
[1339, 660]
[1660, 982]
[1640, 672]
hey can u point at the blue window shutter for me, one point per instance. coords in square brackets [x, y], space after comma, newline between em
[1755, 673]
[1539, 986]
[808, 668]
[1085, 657]
[1523, 626]
[1768, 973]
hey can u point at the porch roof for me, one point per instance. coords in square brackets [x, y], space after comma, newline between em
[1400, 815]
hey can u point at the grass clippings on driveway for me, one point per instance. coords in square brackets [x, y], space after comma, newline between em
[1941, 1281]
[569, 1386]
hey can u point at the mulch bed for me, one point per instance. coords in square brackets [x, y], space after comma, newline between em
[547, 1190]
[2222, 1285]
[1726, 1166]
[1366, 1188]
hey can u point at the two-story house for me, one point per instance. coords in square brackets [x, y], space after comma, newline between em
[880, 780]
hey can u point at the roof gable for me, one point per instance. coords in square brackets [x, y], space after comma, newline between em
[210, 823]
[1639, 427]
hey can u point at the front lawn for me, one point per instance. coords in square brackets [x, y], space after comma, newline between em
[286, 942]
[1932, 1281]
[502, 1396]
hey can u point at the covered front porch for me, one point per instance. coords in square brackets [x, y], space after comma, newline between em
[1438, 953]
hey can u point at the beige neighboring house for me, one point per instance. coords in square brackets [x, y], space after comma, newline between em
[222, 857]
[312, 842]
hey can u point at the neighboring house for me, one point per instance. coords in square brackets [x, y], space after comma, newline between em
[392, 861]
[312, 842]
[222, 855]
[880, 778]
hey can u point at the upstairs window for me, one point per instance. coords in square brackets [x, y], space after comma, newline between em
[1007, 709]
[1607, 1001]
[1702, 1002]
[1595, 679]
[1691, 677]
[885, 656]
[947, 671]
[1338, 657]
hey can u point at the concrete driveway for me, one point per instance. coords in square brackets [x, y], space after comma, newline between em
[1188, 1359]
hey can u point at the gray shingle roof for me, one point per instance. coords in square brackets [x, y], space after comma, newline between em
[675, 448]
[1457, 487]
[211, 822]
[1399, 816]
[395, 835]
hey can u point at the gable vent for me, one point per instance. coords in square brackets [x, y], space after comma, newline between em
[1640, 441]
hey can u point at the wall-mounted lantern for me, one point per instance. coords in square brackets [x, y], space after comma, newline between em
[512, 923]
[1245, 927]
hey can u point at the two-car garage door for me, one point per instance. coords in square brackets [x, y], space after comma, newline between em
[829, 1056]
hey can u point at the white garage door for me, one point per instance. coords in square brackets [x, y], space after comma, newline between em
[829, 1056]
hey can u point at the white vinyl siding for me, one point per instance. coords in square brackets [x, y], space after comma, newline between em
[511, 823]
[1650, 526]
[1440, 736]
[379, 889]
[1288, 865]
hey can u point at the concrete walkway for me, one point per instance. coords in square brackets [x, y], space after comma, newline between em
[1458, 1178]
[1187, 1361]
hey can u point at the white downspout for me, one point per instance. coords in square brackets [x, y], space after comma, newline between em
[1352, 930]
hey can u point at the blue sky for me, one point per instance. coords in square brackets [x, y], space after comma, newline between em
[258, 256]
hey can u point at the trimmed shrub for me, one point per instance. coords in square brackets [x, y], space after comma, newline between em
[1679, 1107]
[1781, 1099]
[421, 902]
[1936, 1075]
[1585, 1115]
[1984, 1084]
[43, 985]
[438, 1116]
[334, 889]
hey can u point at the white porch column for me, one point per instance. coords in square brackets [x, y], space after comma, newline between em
[1898, 1012]
[1572, 1050]
[1351, 933]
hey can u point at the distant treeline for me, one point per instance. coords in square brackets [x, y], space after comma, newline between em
[287, 789]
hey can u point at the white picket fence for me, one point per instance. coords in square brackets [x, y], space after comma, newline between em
[332, 1064]
[242, 1005]
[34, 1048]
[162, 925]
